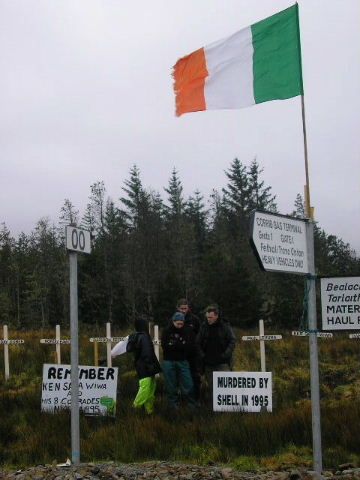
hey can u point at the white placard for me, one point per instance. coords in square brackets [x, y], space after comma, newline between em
[242, 391]
[280, 242]
[78, 239]
[97, 389]
[340, 303]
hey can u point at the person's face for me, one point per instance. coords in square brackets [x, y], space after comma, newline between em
[178, 323]
[211, 317]
[183, 309]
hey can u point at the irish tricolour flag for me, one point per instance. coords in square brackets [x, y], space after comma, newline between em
[257, 64]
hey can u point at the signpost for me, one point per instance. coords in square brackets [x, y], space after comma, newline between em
[6, 342]
[262, 338]
[286, 244]
[340, 303]
[77, 240]
[58, 341]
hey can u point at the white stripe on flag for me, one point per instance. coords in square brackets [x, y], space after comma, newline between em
[230, 66]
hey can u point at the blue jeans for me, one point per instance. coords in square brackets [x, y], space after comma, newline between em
[178, 377]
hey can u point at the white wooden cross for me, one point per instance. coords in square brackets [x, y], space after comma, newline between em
[305, 333]
[6, 342]
[108, 340]
[262, 339]
[57, 341]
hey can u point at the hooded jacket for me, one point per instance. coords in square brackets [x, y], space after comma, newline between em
[146, 362]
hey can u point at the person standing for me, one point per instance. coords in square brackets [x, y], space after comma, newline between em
[178, 342]
[193, 322]
[216, 342]
[145, 361]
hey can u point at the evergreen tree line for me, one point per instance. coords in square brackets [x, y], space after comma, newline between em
[149, 251]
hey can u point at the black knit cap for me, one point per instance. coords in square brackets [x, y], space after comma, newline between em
[141, 324]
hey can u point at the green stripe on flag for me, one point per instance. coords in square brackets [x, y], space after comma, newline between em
[277, 56]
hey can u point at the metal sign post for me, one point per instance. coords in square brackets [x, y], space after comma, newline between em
[77, 240]
[314, 361]
[286, 244]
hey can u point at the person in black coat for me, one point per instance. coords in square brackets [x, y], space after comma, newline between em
[216, 343]
[192, 321]
[179, 344]
[145, 362]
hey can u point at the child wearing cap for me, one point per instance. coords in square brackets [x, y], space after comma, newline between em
[179, 345]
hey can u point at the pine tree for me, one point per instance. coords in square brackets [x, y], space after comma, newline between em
[259, 197]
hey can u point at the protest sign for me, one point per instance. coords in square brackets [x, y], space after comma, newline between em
[242, 391]
[97, 389]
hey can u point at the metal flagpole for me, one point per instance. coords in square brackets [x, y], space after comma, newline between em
[311, 312]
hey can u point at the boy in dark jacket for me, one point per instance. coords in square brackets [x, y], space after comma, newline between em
[146, 364]
[178, 344]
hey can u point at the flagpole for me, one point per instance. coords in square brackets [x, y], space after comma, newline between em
[311, 311]
[309, 210]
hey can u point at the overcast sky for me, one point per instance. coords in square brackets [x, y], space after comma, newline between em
[86, 92]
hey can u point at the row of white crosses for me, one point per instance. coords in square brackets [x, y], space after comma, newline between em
[109, 340]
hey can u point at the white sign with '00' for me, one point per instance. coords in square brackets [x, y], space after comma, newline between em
[242, 391]
[78, 239]
[340, 303]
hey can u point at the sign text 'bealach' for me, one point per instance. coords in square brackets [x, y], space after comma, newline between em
[97, 389]
[280, 242]
[340, 303]
[242, 391]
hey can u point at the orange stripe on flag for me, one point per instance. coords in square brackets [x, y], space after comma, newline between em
[189, 75]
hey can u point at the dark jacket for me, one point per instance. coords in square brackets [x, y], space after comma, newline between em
[192, 321]
[140, 343]
[146, 363]
[216, 343]
[178, 343]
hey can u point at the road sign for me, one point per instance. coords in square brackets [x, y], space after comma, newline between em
[279, 242]
[340, 303]
[78, 240]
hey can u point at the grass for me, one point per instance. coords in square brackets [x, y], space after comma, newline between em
[266, 441]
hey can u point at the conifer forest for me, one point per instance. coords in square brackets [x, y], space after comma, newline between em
[151, 248]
